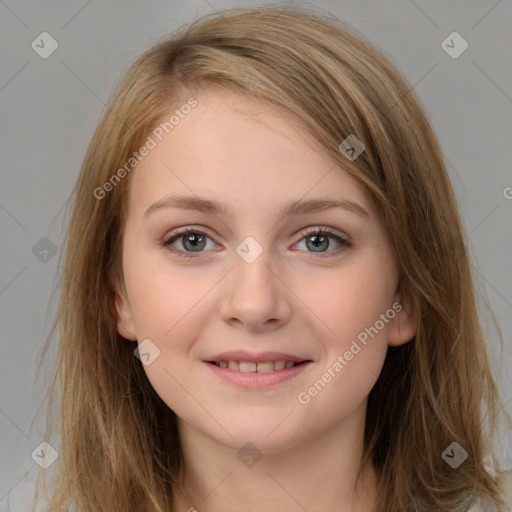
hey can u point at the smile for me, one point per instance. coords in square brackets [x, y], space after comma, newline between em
[251, 375]
[252, 367]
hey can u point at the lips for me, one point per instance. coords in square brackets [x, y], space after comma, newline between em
[261, 357]
[249, 367]
[256, 370]
[263, 362]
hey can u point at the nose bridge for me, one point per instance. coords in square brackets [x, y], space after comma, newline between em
[254, 294]
[253, 261]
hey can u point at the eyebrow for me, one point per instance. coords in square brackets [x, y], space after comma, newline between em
[293, 207]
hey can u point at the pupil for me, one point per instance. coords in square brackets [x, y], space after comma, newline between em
[195, 244]
[317, 240]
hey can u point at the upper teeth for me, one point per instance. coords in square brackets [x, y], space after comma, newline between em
[247, 366]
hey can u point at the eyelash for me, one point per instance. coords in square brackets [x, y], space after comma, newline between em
[344, 243]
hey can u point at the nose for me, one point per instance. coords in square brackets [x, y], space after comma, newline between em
[255, 296]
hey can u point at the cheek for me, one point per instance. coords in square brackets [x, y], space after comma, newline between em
[173, 321]
[355, 347]
[356, 306]
[352, 298]
[162, 295]
[170, 308]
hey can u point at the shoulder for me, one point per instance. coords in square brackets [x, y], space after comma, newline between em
[506, 488]
[505, 485]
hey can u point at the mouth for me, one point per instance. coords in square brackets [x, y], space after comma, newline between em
[256, 370]
[254, 367]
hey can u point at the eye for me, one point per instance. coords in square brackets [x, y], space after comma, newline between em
[193, 240]
[316, 239]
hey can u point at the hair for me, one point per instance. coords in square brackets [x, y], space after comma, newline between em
[120, 448]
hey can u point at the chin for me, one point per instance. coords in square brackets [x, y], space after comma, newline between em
[267, 436]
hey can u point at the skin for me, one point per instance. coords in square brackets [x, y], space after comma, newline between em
[291, 299]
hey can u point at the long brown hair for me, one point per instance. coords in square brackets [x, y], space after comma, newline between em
[119, 441]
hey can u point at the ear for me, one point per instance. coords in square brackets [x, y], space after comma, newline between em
[121, 310]
[403, 327]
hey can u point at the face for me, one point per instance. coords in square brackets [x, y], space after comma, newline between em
[252, 285]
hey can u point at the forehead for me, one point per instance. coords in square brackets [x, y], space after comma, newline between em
[240, 151]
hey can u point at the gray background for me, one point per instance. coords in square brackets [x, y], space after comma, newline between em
[49, 109]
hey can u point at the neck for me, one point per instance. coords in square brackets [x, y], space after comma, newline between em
[317, 474]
